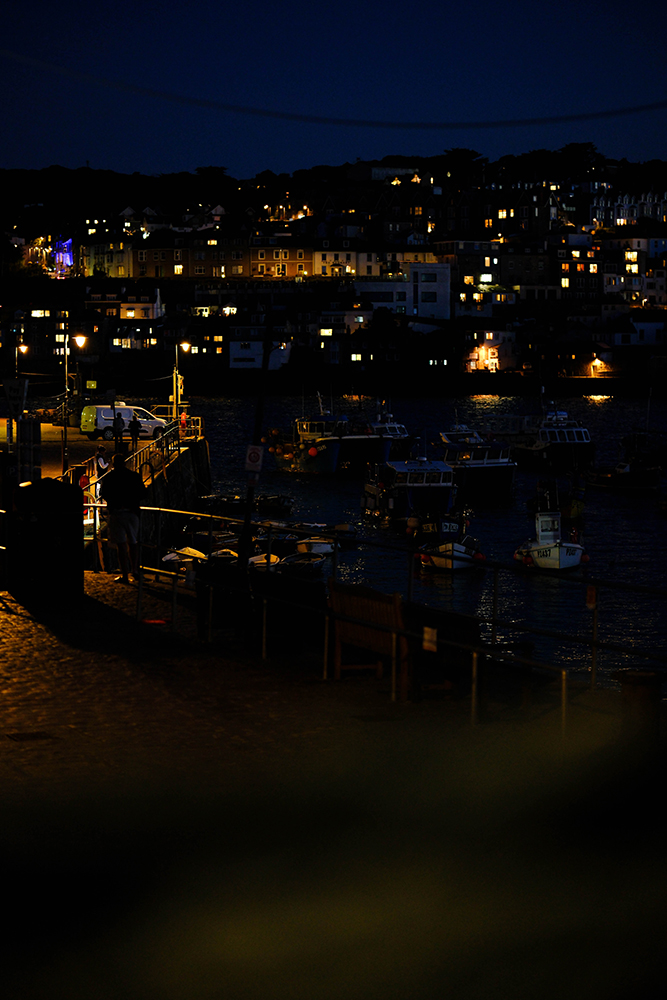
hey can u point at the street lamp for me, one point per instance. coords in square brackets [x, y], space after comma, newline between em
[22, 348]
[176, 395]
[79, 341]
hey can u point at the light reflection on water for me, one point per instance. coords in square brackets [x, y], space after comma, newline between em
[624, 536]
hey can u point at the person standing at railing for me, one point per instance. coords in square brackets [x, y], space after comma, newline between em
[123, 491]
[118, 426]
[135, 431]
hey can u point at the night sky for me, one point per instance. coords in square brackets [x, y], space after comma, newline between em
[76, 76]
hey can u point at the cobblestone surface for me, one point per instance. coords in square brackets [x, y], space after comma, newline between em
[182, 820]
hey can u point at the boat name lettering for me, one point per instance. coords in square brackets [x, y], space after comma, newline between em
[543, 553]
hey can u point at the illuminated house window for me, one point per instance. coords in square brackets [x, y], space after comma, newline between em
[60, 338]
[469, 279]
[355, 357]
[565, 282]
[631, 255]
[326, 332]
[502, 213]
[489, 336]
[478, 297]
[40, 313]
[487, 262]
[575, 253]
[486, 278]
[565, 267]
[213, 243]
[462, 296]
[178, 269]
[130, 313]
[488, 223]
[418, 210]
[581, 267]
[632, 268]
[593, 268]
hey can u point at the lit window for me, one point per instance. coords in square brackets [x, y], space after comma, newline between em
[213, 243]
[130, 313]
[631, 255]
[502, 213]
[488, 223]
[462, 296]
[178, 269]
[576, 253]
[469, 279]
[355, 357]
[565, 282]
[632, 268]
[486, 278]
[40, 313]
[326, 332]
[487, 262]
[593, 268]
[565, 267]
[489, 336]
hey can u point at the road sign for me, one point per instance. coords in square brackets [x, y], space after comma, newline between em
[253, 458]
[15, 391]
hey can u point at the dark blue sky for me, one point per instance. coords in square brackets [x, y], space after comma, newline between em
[68, 70]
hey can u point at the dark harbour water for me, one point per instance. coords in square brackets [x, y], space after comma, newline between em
[623, 535]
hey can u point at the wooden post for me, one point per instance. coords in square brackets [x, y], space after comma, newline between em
[474, 706]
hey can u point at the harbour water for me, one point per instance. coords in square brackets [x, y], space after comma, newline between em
[624, 534]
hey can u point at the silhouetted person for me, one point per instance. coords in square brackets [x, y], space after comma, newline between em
[135, 431]
[123, 491]
[118, 425]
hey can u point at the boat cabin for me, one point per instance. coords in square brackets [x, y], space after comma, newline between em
[548, 528]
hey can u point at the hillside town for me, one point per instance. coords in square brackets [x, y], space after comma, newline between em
[546, 264]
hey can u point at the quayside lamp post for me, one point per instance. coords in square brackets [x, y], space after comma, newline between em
[10, 418]
[176, 395]
[79, 341]
[20, 348]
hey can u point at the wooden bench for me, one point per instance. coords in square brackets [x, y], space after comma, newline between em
[369, 620]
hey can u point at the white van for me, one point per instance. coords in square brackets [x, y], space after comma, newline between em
[97, 421]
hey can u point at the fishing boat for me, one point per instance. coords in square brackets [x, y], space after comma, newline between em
[625, 477]
[327, 444]
[457, 549]
[415, 494]
[548, 550]
[313, 446]
[553, 440]
[483, 468]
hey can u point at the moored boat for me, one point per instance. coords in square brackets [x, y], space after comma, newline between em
[548, 550]
[554, 440]
[483, 468]
[415, 494]
[456, 550]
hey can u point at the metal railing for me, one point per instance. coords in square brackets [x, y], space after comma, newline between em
[492, 651]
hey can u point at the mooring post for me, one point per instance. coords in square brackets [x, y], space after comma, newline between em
[474, 707]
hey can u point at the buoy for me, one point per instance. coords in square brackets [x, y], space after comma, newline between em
[312, 452]
[279, 450]
[272, 449]
[528, 560]
[585, 558]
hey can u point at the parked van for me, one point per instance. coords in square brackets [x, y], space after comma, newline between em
[97, 421]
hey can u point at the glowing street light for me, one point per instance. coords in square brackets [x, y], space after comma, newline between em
[79, 340]
[176, 396]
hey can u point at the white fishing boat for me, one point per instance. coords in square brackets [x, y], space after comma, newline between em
[457, 550]
[548, 550]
